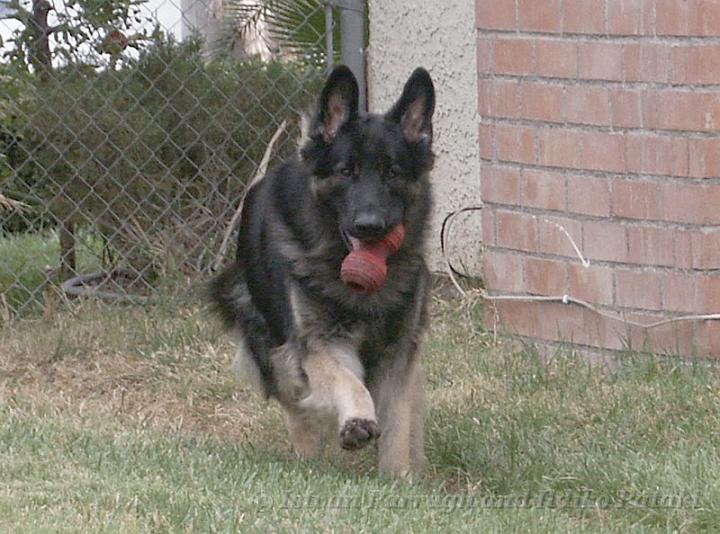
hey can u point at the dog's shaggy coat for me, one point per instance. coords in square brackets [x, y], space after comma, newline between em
[322, 350]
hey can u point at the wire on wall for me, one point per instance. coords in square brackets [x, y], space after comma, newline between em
[454, 274]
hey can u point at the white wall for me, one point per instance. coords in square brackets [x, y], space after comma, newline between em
[439, 36]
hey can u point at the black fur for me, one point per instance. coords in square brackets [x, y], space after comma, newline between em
[295, 223]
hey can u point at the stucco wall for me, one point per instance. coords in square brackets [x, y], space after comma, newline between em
[439, 36]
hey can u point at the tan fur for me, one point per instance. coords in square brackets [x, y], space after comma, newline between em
[337, 394]
[400, 399]
[334, 387]
[304, 137]
[305, 434]
[245, 368]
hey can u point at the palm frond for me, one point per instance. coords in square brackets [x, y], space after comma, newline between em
[296, 26]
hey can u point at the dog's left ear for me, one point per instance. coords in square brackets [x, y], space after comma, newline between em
[338, 102]
[414, 110]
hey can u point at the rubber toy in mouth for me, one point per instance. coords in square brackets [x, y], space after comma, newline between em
[364, 270]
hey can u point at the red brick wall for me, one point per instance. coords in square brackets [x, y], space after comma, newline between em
[603, 117]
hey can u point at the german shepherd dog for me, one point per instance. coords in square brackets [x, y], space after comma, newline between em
[325, 352]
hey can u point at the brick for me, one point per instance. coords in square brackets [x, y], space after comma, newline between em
[683, 251]
[513, 56]
[578, 325]
[515, 143]
[484, 55]
[679, 292]
[691, 293]
[702, 65]
[656, 154]
[503, 272]
[588, 195]
[487, 134]
[556, 59]
[637, 289]
[539, 15]
[542, 101]
[488, 226]
[671, 17]
[649, 245]
[592, 284]
[688, 17]
[587, 105]
[601, 61]
[633, 199]
[605, 240]
[498, 98]
[558, 147]
[647, 62]
[603, 151]
[518, 318]
[681, 110]
[625, 108]
[674, 339]
[692, 203]
[553, 240]
[603, 332]
[545, 277]
[543, 190]
[516, 230]
[705, 246]
[500, 185]
[495, 14]
[707, 337]
[630, 17]
[584, 16]
[704, 158]
[484, 97]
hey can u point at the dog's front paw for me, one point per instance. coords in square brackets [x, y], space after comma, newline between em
[356, 433]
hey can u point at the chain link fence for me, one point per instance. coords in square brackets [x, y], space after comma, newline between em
[129, 128]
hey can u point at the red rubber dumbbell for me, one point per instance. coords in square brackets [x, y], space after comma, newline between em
[364, 270]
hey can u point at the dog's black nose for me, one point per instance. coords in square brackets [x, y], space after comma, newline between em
[369, 225]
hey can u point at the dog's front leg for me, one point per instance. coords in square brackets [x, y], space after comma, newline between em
[335, 378]
[400, 397]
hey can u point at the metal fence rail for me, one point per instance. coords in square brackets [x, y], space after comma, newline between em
[126, 135]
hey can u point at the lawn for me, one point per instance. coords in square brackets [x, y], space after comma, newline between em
[118, 418]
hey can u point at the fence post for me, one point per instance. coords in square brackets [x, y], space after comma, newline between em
[352, 42]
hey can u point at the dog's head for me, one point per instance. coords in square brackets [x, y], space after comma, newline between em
[370, 169]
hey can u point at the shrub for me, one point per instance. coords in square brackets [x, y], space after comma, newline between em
[154, 156]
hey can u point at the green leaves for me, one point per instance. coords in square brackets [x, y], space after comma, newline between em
[77, 29]
[294, 28]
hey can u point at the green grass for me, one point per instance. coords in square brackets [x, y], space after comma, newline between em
[26, 260]
[124, 419]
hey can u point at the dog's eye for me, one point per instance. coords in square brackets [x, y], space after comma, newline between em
[393, 172]
[346, 172]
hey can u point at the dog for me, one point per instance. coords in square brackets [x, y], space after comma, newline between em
[326, 352]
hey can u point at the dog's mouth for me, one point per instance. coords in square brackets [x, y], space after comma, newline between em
[347, 239]
[354, 243]
[364, 269]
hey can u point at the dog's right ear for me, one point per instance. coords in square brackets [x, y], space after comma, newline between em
[338, 103]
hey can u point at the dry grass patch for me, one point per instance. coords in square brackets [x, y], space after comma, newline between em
[165, 368]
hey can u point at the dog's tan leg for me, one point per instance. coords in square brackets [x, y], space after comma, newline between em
[417, 420]
[336, 387]
[305, 434]
[400, 406]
